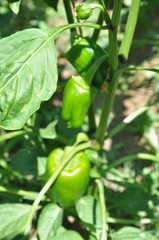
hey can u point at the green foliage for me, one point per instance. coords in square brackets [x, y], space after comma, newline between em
[120, 140]
[92, 219]
[128, 233]
[13, 219]
[26, 71]
[69, 235]
[49, 221]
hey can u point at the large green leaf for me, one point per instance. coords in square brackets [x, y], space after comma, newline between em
[28, 75]
[49, 222]
[13, 220]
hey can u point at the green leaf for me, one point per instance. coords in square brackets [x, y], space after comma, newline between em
[133, 200]
[68, 235]
[15, 6]
[49, 221]
[127, 233]
[13, 219]
[28, 75]
[25, 162]
[92, 155]
[91, 206]
[41, 165]
[50, 131]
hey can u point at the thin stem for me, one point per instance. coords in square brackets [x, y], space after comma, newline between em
[133, 221]
[129, 30]
[65, 160]
[114, 76]
[69, 14]
[129, 69]
[96, 31]
[122, 221]
[141, 156]
[11, 135]
[126, 121]
[23, 193]
[89, 76]
[96, 5]
[80, 30]
[105, 14]
[107, 106]
[103, 207]
[91, 117]
[74, 25]
[107, 3]
[113, 45]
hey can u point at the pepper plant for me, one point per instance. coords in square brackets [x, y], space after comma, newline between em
[68, 178]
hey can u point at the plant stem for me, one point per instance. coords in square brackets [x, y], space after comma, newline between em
[107, 106]
[121, 221]
[103, 207]
[69, 14]
[113, 45]
[107, 3]
[65, 159]
[91, 117]
[141, 156]
[106, 14]
[89, 76]
[11, 135]
[80, 30]
[129, 30]
[63, 28]
[114, 75]
[126, 121]
[128, 69]
[133, 221]
[96, 31]
[23, 193]
[115, 72]
[99, 21]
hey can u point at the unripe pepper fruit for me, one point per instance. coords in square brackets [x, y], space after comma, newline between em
[83, 54]
[77, 98]
[72, 182]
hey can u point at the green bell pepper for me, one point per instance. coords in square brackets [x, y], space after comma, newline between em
[77, 98]
[83, 54]
[72, 182]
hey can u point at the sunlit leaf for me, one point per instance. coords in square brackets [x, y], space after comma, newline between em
[49, 221]
[127, 233]
[13, 220]
[28, 75]
[15, 6]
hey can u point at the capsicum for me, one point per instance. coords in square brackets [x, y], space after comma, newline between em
[72, 182]
[77, 98]
[83, 54]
